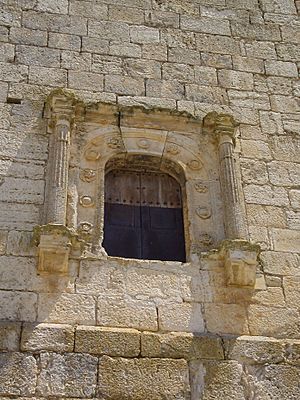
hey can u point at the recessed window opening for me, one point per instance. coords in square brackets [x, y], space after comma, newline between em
[143, 215]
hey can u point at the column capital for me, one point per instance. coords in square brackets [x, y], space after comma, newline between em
[61, 108]
[221, 126]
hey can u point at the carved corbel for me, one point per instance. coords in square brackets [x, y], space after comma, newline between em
[240, 262]
[54, 238]
[222, 126]
[54, 243]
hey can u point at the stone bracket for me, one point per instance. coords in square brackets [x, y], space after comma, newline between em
[54, 244]
[240, 262]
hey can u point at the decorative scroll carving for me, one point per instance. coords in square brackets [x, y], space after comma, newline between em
[143, 143]
[173, 149]
[87, 175]
[194, 164]
[92, 154]
[200, 187]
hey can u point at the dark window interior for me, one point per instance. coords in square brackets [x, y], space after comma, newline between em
[143, 216]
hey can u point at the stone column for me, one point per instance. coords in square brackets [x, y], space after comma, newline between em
[235, 224]
[62, 115]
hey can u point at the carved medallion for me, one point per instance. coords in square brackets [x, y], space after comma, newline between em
[194, 164]
[85, 227]
[172, 149]
[205, 240]
[114, 143]
[203, 212]
[86, 201]
[143, 143]
[87, 175]
[200, 187]
[92, 154]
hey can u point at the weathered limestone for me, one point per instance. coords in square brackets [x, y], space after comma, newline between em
[206, 91]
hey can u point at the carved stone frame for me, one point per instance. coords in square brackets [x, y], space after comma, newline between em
[86, 140]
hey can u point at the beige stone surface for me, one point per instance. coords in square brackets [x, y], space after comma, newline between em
[9, 336]
[51, 337]
[255, 349]
[122, 312]
[115, 342]
[181, 345]
[226, 318]
[185, 317]
[272, 321]
[66, 308]
[18, 306]
[141, 379]
[18, 374]
[66, 375]
[216, 380]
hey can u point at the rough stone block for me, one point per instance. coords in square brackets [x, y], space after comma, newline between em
[266, 195]
[28, 36]
[285, 240]
[51, 337]
[155, 52]
[205, 25]
[181, 345]
[142, 68]
[217, 44]
[281, 68]
[284, 173]
[226, 318]
[254, 171]
[47, 76]
[109, 65]
[3, 241]
[7, 52]
[18, 306]
[255, 349]
[284, 104]
[162, 19]
[216, 380]
[26, 190]
[295, 198]
[67, 308]
[205, 76]
[19, 216]
[85, 80]
[274, 321]
[249, 99]
[184, 56]
[125, 50]
[88, 9]
[95, 45]
[52, 6]
[67, 375]
[124, 313]
[142, 35]
[76, 61]
[142, 379]
[124, 85]
[126, 14]
[9, 336]
[63, 41]
[266, 216]
[110, 341]
[115, 31]
[164, 88]
[20, 244]
[18, 374]
[35, 55]
[184, 317]
[235, 79]
[180, 72]
[13, 73]
[277, 381]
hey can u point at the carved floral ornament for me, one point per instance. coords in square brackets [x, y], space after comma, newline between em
[63, 110]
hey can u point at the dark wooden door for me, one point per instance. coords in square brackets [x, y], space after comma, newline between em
[143, 216]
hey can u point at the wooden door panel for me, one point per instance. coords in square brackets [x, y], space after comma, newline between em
[122, 230]
[143, 216]
[162, 234]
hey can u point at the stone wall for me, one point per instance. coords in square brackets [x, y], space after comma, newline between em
[112, 328]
